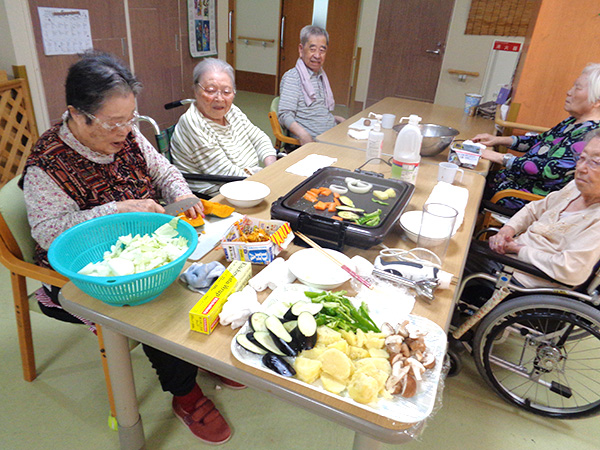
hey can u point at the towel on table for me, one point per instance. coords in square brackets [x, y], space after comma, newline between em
[276, 273]
[238, 307]
[454, 196]
[199, 277]
[309, 165]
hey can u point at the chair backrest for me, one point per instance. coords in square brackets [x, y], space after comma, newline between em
[275, 104]
[18, 131]
[15, 229]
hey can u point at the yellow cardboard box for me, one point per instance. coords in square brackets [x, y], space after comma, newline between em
[204, 316]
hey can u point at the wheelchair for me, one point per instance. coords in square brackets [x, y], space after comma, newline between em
[537, 348]
[163, 143]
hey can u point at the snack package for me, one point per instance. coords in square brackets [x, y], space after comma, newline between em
[256, 240]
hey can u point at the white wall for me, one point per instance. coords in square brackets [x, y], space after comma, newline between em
[365, 40]
[260, 20]
[464, 52]
[18, 45]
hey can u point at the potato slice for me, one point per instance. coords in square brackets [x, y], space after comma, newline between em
[360, 338]
[363, 388]
[349, 337]
[307, 370]
[374, 342]
[357, 352]
[378, 353]
[326, 336]
[313, 353]
[341, 345]
[336, 363]
[332, 384]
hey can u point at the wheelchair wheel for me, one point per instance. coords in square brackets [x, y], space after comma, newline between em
[542, 353]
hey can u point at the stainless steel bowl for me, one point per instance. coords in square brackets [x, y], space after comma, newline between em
[436, 138]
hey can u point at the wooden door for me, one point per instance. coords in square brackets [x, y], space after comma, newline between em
[109, 34]
[295, 15]
[409, 49]
[342, 26]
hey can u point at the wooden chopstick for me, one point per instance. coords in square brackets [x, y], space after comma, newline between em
[317, 247]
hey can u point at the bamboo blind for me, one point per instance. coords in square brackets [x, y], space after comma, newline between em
[17, 128]
[499, 17]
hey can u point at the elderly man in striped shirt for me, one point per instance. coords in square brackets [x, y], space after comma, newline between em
[306, 101]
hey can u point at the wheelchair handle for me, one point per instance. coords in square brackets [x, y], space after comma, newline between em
[178, 103]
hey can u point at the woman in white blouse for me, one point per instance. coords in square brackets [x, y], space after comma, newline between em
[214, 136]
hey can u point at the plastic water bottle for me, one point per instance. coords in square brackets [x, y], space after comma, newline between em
[407, 151]
[375, 142]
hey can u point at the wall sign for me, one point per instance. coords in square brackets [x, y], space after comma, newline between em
[202, 26]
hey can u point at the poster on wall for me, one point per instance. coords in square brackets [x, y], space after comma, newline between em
[202, 27]
[65, 31]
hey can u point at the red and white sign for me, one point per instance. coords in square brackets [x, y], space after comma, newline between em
[507, 46]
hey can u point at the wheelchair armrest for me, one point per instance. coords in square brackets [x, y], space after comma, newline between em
[213, 178]
[493, 207]
[482, 248]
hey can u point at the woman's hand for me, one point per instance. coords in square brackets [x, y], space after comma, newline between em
[143, 205]
[492, 156]
[490, 141]
[503, 242]
[194, 211]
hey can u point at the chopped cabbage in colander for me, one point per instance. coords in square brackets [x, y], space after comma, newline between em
[135, 254]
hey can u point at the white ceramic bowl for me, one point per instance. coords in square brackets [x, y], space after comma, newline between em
[317, 270]
[410, 222]
[244, 194]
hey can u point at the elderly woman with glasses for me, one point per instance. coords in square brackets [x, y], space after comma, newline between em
[95, 162]
[214, 136]
[559, 234]
[549, 160]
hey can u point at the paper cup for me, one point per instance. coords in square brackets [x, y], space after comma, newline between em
[471, 102]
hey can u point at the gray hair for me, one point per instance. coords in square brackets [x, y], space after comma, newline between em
[593, 72]
[312, 30]
[594, 134]
[213, 65]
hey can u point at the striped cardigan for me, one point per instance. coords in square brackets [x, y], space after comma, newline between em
[200, 145]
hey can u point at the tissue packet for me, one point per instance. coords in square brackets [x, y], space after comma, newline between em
[204, 316]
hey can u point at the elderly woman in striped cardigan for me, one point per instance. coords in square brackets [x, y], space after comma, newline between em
[214, 136]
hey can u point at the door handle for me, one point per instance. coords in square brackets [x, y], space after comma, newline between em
[436, 51]
[230, 22]
[282, 28]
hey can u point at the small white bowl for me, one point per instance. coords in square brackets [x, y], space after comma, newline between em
[314, 269]
[244, 194]
[410, 222]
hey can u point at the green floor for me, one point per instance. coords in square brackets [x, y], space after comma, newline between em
[66, 406]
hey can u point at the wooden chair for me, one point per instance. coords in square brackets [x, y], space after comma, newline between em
[16, 254]
[18, 130]
[280, 136]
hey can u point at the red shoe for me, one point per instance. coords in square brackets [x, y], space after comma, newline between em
[226, 381]
[205, 421]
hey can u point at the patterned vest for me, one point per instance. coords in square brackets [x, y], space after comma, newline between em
[88, 183]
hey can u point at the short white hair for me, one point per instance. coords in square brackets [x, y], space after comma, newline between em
[312, 30]
[593, 72]
[213, 65]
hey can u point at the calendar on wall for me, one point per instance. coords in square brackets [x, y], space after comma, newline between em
[65, 31]
[202, 18]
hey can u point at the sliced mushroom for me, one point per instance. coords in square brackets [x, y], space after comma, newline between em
[393, 343]
[401, 329]
[428, 360]
[410, 386]
[417, 368]
[387, 329]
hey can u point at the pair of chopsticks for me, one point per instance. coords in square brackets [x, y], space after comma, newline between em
[317, 247]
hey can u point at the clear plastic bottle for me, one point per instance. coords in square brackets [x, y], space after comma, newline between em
[407, 151]
[375, 142]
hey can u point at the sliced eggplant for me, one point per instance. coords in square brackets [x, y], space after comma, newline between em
[305, 333]
[278, 365]
[290, 325]
[246, 344]
[263, 339]
[298, 307]
[257, 321]
[281, 337]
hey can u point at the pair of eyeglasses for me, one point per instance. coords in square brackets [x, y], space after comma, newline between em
[213, 91]
[111, 127]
